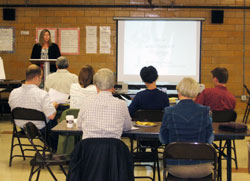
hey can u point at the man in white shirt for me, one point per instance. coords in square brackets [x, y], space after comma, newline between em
[62, 79]
[30, 96]
[103, 115]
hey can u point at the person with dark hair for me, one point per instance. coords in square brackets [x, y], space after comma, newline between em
[30, 96]
[62, 79]
[45, 49]
[84, 88]
[151, 98]
[221, 74]
[218, 98]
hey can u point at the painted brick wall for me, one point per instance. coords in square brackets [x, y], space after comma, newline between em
[222, 44]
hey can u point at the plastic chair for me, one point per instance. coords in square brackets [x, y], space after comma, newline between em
[226, 116]
[44, 158]
[148, 115]
[189, 151]
[146, 157]
[24, 114]
[66, 143]
[4, 101]
[222, 117]
[143, 143]
[99, 159]
[68, 112]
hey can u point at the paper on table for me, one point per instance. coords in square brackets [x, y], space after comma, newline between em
[134, 128]
[56, 96]
[128, 102]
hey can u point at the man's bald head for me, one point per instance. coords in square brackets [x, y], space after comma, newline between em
[32, 71]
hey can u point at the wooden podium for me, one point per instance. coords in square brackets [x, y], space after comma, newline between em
[46, 65]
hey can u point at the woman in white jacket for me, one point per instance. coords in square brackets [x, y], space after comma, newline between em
[79, 91]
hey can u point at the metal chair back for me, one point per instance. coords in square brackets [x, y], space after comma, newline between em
[189, 151]
[45, 157]
[148, 115]
[24, 114]
[224, 116]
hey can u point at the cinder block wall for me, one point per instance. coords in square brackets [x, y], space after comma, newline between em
[222, 44]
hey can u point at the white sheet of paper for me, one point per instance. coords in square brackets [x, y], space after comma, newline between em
[91, 39]
[56, 96]
[6, 39]
[134, 128]
[2, 72]
[128, 102]
[105, 44]
[69, 40]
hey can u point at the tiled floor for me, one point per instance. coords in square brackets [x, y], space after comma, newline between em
[20, 168]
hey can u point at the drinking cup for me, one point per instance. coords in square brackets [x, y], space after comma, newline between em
[70, 121]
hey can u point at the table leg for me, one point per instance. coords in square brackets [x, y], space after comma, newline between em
[229, 161]
[219, 162]
[131, 144]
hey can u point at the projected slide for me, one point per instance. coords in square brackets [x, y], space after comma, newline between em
[173, 47]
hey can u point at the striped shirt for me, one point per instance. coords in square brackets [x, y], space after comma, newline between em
[104, 116]
[31, 97]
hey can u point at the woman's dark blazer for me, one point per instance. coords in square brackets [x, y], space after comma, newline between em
[53, 53]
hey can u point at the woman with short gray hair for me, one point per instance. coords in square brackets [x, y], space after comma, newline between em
[188, 87]
[187, 122]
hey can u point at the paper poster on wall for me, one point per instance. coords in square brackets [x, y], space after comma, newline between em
[2, 72]
[105, 39]
[69, 41]
[7, 39]
[53, 32]
[91, 39]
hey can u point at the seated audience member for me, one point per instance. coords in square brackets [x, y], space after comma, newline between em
[104, 116]
[80, 91]
[62, 79]
[151, 98]
[218, 98]
[30, 96]
[187, 122]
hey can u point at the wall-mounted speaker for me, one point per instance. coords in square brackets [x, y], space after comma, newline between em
[217, 16]
[9, 14]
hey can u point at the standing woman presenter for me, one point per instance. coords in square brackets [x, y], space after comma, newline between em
[45, 49]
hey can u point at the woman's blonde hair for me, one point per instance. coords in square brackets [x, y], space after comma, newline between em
[41, 39]
[188, 87]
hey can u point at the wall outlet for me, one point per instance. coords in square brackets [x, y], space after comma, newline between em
[25, 32]
[243, 97]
